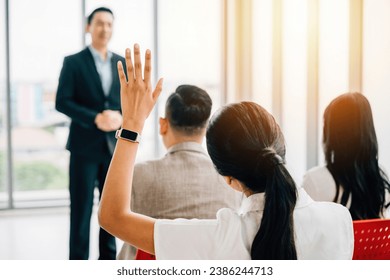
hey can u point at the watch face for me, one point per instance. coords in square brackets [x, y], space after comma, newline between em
[128, 134]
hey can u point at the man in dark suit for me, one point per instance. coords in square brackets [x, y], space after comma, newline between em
[88, 93]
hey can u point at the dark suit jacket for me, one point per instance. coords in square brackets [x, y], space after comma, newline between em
[80, 96]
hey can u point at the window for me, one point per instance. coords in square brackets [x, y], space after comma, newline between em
[313, 62]
[41, 33]
[262, 53]
[294, 84]
[189, 47]
[333, 50]
[3, 106]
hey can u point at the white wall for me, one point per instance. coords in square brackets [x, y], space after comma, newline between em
[376, 71]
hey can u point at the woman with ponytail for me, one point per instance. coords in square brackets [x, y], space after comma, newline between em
[275, 221]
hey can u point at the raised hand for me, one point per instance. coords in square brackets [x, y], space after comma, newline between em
[138, 100]
[137, 96]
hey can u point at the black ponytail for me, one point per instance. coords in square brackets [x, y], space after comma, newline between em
[275, 238]
[235, 135]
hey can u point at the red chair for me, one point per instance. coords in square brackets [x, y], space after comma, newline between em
[372, 239]
[142, 255]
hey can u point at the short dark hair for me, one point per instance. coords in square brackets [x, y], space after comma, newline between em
[100, 9]
[188, 109]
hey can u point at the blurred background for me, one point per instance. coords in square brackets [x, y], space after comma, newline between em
[290, 56]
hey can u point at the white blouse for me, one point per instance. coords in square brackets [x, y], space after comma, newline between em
[318, 182]
[323, 230]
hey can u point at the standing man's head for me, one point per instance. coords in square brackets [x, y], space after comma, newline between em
[187, 111]
[99, 25]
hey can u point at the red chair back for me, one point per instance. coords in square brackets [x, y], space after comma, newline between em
[372, 239]
[142, 255]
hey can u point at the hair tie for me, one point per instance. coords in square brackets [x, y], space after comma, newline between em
[273, 158]
[278, 160]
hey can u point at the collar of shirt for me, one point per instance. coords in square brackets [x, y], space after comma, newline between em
[187, 146]
[252, 203]
[104, 69]
[96, 55]
[256, 201]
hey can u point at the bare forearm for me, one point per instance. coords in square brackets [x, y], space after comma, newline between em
[117, 187]
[137, 101]
[114, 212]
[119, 179]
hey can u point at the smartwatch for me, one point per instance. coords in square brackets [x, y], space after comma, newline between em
[128, 135]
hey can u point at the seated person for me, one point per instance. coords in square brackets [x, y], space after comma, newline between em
[184, 183]
[276, 220]
[351, 176]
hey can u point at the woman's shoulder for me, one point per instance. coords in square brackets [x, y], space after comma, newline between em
[227, 214]
[311, 209]
[315, 218]
[314, 175]
[324, 230]
[317, 171]
[332, 209]
[319, 183]
[233, 220]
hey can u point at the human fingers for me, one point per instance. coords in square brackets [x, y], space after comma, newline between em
[129, 66]
[117, 123]
[137, 63]
[104, 127]
[121, 73]
[148, 67]
[107, 112]
[115, 116]
[158, 89]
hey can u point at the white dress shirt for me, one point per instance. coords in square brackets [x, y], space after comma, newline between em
[323, 230]
[104, 69]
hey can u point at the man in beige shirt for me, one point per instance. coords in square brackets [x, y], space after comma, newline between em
[184, 183]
